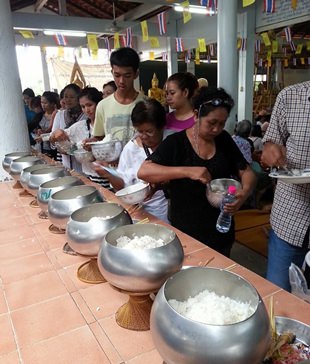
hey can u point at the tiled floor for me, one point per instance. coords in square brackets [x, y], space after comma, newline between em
[48, 316]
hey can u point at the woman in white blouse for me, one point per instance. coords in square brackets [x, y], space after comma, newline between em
[149, 119]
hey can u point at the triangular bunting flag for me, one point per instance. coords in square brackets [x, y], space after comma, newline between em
[27, 34]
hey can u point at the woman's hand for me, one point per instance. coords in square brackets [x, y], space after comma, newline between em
[232, 208]
[58, 136]
[97, 167]
[87, 146]
[199, 174]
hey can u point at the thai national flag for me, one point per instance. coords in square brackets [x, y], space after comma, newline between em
[162, 23]
[107, 44]
[212, 5]
[292, 45]
[269, 6]
[257, 45]
[211, 48]
[288, 34]
[243, 44]
[129, 37]
[179, 45]
[164, 56]
[203, 2]
[260, 63]
[60, 39]
[188, 56]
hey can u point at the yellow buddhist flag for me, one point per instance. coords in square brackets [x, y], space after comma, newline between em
[202, 45]
[308, 46]
[247, 2]
[60, 52]
[187, 16]
[299, 48]
[285, 62]
[92, 42]
[275, 46]
[116, 41]
[94, 54]
[269, 54]
[154, 42]
[302, 60]
[197, 56]
[152, 56]
[239, 43]
[26, 34]
[144, 30]
[266, 39]
[294, 4]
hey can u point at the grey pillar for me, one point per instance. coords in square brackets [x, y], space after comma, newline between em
[227, 73]
[172, 64]
[46, 79]
[13, 118]
[246, 65]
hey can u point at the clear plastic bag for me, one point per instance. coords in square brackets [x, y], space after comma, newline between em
[298, 283]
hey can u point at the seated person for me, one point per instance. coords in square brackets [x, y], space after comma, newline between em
[149, 119]
[241, 138]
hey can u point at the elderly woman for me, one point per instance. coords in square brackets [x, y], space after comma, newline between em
[149, 119]
[195, 156]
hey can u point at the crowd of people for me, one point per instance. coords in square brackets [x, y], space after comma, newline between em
[180, 148]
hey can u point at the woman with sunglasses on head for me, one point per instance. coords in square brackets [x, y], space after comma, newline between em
[192, 158]
[149, 119]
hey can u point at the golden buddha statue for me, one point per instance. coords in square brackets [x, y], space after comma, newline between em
[155, 92]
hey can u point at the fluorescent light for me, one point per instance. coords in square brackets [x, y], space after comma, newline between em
[194, 9]
[65, 33]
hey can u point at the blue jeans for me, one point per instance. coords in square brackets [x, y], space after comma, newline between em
[280, 256]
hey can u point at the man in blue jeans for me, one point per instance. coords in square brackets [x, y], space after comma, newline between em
[287, 144]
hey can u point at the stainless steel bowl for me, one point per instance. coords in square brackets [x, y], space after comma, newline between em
[46, 189]
[107, 151]
[63, 203]
[142, 270]
[217, 188]
[88, 226]
[17, 165]
[82, 155]
[25, 174]
[180, 340]
[43, 175]
[8, 158]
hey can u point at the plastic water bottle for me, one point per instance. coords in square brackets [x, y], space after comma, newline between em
[224, 220]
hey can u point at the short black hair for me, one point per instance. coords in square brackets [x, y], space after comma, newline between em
[92, 94]
[52, 98]
[185, 80]
[74, 87]
[29, 92]
[149, 111]
[205, 94]
[110, 83]
[125, 57]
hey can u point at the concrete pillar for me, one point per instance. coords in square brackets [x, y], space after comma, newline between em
[246, 65]
[46, 78]
[172, 64]
[14, 136]
[227, 75]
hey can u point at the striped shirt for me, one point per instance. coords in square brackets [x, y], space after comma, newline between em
[290, 127]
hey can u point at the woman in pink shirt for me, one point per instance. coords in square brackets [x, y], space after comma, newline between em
[180, 88]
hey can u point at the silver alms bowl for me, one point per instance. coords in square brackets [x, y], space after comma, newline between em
[25, 174]
[88, 226]
[40, 176]
[181, 340]
[19, 164]
[63, 203]
[217, 189]
[8, 158]
[140, 270]
[46, 189]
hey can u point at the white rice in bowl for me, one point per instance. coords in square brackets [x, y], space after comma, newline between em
[209, 308]
[139, 242]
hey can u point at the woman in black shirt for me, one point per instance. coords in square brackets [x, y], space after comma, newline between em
[195, 156]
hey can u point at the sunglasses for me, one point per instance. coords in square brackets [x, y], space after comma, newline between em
[216, 102]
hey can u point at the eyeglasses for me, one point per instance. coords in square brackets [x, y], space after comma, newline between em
[146, 133]
[216, 102]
